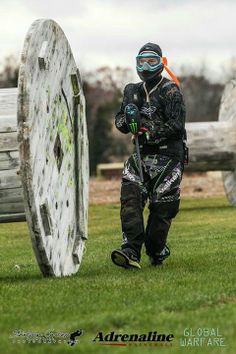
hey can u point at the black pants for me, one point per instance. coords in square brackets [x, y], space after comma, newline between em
[162, 177]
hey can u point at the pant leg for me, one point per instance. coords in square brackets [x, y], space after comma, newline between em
[131, 214]
[158, 225]
[164, 204]
[133, 199]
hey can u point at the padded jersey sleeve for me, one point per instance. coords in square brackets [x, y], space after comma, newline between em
[130, 96]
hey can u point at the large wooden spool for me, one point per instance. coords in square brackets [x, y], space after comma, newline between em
[44, 162]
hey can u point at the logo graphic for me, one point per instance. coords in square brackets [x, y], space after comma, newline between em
[152, 338]
[148, 111]
[72, 341]
[49, 336]
[202, 337]
[133, 127]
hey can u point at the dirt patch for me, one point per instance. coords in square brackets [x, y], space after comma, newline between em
[193, 185]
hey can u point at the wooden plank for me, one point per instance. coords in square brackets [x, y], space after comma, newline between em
[8, 123]
[11, 195]
[8, 141]
[9, 160]
[15, 207]
[12, 217]
[8, 102]
[9, 179]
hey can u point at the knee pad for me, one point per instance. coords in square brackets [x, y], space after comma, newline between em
[167, 210]
[131, 206]
[131, 200]
[131, 212]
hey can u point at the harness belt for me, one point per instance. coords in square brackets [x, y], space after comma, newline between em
[173, 148]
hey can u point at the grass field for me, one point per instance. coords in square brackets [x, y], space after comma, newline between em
[195, 288]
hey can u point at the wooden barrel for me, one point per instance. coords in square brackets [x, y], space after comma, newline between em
[11, 193]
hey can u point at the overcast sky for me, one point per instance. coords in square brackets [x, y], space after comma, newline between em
[110, 32]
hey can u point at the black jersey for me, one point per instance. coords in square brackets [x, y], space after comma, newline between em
[162, 112]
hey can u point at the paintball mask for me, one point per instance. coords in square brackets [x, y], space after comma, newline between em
[150, 63]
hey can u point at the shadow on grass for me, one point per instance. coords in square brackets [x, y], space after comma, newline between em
[21, 278]
[207, 207]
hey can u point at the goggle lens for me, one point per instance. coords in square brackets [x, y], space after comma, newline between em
[148, 61]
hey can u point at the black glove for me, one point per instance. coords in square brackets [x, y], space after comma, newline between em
[132, 118]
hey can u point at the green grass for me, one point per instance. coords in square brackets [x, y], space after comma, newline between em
[194, 289]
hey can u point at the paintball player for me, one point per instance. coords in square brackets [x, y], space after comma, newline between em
[153, 111]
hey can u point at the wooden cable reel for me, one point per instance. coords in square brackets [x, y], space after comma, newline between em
[53, 147]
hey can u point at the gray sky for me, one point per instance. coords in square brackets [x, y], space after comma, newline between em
[103, 32]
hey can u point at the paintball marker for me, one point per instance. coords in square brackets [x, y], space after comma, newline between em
[133, 121]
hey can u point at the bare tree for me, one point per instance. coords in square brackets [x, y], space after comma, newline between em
[9, 73]
[202, 98]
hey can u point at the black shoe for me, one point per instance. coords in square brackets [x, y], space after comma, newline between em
[158, 258]
[125, 258]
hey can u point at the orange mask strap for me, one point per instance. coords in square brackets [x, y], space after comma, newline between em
[164, 61]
